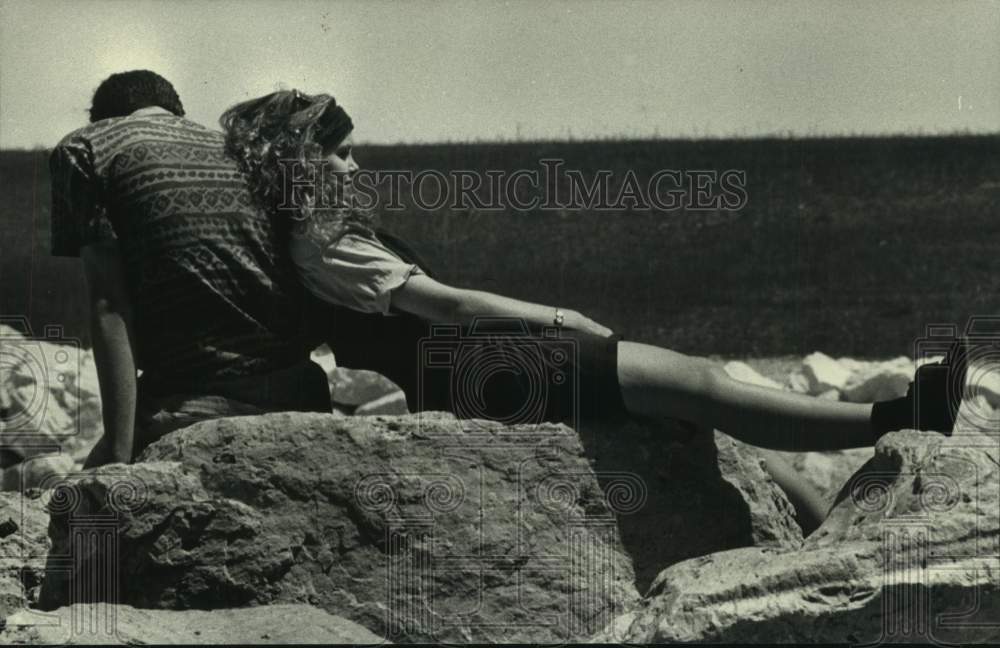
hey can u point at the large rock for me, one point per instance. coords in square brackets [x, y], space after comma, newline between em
[419, 528]
[24, 545]
[414, 529]
[98, 623]
[700, 496]
[908, 553]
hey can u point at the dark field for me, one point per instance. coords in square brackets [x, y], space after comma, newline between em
[849, 246]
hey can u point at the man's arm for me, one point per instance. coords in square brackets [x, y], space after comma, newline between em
[112, 337]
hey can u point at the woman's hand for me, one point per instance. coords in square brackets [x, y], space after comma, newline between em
[579, 322]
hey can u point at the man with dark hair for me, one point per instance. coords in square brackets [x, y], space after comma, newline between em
[123, 93]
[186, 279]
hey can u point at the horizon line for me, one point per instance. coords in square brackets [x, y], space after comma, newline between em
[617, 139]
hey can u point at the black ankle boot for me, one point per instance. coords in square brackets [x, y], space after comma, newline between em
[931, 402]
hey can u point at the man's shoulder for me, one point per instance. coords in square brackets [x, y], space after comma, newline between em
[115, 130]
[75, 139]
[91, 131]
[76, 147]
[98, 144]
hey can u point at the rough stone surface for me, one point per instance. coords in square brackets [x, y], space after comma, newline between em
[908, 553]
[24, 545]
[700, 494]
[388, 520]
[410, 527]
[90, 623]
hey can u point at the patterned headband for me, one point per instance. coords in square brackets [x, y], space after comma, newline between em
[333, 125]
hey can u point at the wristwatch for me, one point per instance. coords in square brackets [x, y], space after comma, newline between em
[559, 318]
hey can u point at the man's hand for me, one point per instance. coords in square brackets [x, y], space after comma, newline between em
[112, 339]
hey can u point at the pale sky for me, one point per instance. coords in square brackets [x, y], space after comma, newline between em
[458, 70]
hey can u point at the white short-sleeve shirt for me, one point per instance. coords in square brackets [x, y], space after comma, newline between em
[356, 270]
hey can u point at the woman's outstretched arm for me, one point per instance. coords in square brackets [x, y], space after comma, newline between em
[437, 302]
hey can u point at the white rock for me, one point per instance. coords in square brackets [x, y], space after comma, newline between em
[882, 386]
[880, 380]
[743, 372]
[983, 381]
[824, 373]
[390, 404]
[324, 357]
[350, 388]
[798, 382]
[48, 389]
[853, 365]
[922, 361]
[978, 413]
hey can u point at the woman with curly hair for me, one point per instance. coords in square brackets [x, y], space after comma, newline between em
[385, 301]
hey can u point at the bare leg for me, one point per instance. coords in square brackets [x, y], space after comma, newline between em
[810, 508]
[658, 383]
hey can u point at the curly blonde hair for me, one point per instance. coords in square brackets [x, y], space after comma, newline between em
[285, 130]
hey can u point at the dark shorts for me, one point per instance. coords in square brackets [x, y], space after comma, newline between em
[498, 369]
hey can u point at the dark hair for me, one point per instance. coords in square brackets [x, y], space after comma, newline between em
[125, 92]
[289, 130]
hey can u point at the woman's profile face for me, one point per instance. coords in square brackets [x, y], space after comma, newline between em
[341, 159]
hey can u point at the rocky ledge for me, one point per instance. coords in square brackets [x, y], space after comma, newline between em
[908, 553]
[424, 528]
[416, 528]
